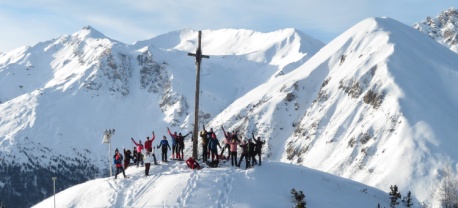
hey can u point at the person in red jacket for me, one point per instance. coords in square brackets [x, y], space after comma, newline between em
[149, 147]
[148, 143]
[192, 163]
[139, 151]
[118, 164]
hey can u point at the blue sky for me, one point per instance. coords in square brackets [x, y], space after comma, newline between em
[27, 22]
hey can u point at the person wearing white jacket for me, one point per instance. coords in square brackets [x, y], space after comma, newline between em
[148, 159]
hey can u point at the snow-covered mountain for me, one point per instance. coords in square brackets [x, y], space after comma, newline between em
[175, 185]
[378, 105]
[443, 28]
[57, 97]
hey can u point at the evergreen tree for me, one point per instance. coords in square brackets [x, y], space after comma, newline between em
[394, 195]
[408, 200]
[299, 197]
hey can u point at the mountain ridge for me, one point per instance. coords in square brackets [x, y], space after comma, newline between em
[350, 108]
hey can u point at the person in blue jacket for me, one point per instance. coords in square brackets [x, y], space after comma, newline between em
[213, 145]
[164, 144]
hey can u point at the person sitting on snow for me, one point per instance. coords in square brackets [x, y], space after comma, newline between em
[192, 163]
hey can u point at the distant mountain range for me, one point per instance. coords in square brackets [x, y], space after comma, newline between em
[376, 105]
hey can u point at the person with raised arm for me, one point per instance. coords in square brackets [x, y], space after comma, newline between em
[149, 147]
[244, 154]
[258, 148]
[226, 141]
[127, 157]
[174, 143]
[140, 148]
[180, 145]
[204, 143]
[213, 145]
[233, 150]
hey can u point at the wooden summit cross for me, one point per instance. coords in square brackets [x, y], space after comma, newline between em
[199, 57]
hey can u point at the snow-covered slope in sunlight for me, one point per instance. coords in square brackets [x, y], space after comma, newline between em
[377, 105]
[174, 185]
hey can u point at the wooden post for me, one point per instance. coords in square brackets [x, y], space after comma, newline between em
[199, 57]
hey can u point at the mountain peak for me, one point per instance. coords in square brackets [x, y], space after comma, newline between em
[443, 28]
[89, 32]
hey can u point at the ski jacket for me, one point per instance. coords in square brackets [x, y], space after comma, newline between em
[244, 147]
[203, 136]
[174, 137]
[128, 155]
[233, 145]
[164, 144]
[148, 158]
[251, 146]
[190, 161]
[259, 144]
[118, 160]
[227, 136]
[139, 146]
[148, 143]
[180, 139]
[213, 143]
[210, 135]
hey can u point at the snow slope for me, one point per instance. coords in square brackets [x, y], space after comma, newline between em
[174, 185]
[376, 105]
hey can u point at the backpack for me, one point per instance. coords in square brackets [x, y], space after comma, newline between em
[213, 164]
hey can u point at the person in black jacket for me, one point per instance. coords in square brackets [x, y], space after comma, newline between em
[251, 152]
[244, 154]
[180, 145]
[164, 144]
[127, 157]
[258, 148]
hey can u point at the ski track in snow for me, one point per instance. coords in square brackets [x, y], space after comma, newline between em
[227, 178]
[188, 190]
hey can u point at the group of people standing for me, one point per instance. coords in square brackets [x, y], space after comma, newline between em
[249, 148]
[232, 141]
